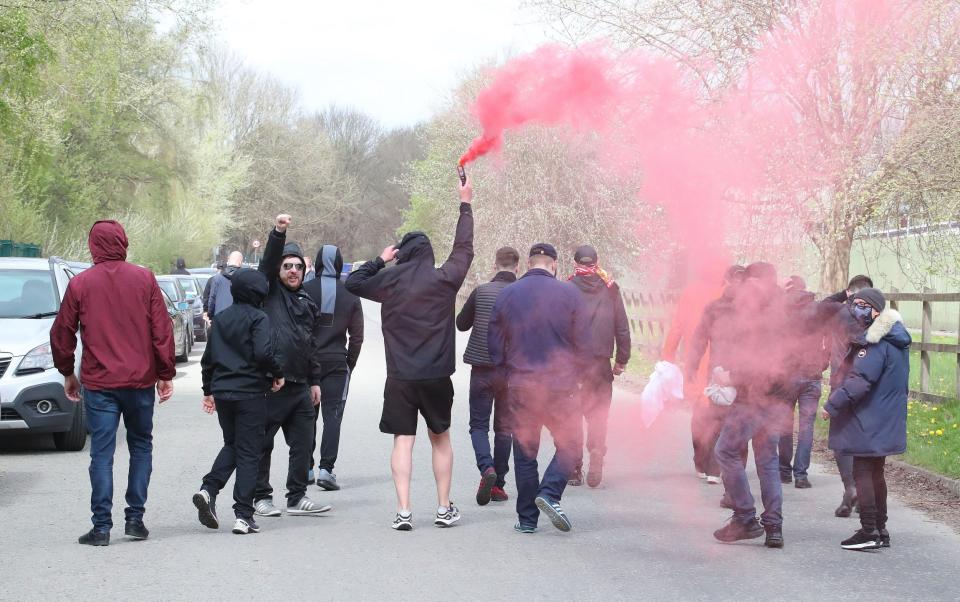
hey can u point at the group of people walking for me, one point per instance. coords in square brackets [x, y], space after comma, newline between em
[756, 352]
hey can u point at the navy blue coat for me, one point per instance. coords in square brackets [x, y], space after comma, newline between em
[868, 410]
[539, 330]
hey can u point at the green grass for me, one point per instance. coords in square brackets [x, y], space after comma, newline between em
[943, 368]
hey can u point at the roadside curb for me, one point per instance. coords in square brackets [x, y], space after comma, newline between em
[951, 485]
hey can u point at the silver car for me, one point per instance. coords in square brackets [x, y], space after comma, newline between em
[32, 398]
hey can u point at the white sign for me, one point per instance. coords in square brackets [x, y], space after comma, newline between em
[256, 244]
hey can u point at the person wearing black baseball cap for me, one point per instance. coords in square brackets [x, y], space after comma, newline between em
[868, 410]
[539, 333]
[610, 331]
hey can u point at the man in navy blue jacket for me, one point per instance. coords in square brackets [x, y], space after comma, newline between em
[868, 411]
[538, 333]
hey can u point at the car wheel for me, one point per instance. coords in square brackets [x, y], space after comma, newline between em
[76, 438]
[186, 351]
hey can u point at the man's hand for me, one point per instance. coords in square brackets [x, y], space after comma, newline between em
[206, 319]
[618, 369]
[277, 384]
[71, 386]
[389, 254]
[165, 389]
[283, 221]
[315, 394]
[824, 414]
[466, 192]
[208, 405]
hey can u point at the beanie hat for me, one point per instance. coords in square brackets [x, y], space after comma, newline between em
[873, 296]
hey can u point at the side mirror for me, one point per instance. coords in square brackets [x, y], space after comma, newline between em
[183, 306]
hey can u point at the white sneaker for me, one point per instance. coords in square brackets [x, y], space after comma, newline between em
[701, 475]
[243, 527]
[266, 508]
[713, 480]
[306, 506]
[448, 518]
[403, 522]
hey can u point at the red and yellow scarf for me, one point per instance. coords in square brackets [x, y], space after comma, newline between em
[588, 270]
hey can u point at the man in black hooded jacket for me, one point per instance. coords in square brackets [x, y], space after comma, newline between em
[296, 326]
[607, 320]
[240, 366]
[417, 317]
[341, 314]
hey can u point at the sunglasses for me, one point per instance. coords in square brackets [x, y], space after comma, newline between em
[293, 266]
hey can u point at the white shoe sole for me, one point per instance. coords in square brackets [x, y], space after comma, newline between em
[443, 523]
[319, 510]
[273, 513]
[244, 529]
[869, 545]
[402, 527]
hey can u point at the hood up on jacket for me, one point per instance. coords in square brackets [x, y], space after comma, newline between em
[230, 270]
[889, 326]
[107, 241]
[415, 246]
[249, 287]
[292, 249]
[331, 262]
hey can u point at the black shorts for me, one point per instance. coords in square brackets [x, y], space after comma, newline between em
[404, 399]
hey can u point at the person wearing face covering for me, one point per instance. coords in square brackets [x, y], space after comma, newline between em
[240, 366]
[337, 350]
[868, 410]
[417, 316]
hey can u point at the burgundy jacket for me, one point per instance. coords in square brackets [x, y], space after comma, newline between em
[127, 333]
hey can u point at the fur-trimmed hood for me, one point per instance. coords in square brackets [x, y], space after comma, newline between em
[889, 325]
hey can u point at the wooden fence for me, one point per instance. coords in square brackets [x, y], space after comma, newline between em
[926, 346]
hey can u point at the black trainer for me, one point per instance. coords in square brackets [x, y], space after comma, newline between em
[95, 538]
[206, 509]
[736, 530]
[845, 509]
[726, 502]
[862, 540]
[884, 538]
[774, 538]
[485, 490]
[802, 483]
[136, 529]
[785, 478]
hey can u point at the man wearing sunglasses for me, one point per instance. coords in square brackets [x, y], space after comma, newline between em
[295, 321]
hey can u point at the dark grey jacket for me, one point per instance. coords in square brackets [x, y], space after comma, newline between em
[220, 297]
[476, 314]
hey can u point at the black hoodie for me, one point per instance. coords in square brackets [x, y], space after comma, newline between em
[418, 299]
[240, 359]
[606, 317]
[347, 316]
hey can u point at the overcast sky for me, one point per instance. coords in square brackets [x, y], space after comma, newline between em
[396, 60]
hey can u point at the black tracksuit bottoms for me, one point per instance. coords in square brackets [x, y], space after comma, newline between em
[242, 420]
[291, 410]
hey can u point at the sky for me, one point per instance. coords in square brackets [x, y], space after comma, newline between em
[396, 61]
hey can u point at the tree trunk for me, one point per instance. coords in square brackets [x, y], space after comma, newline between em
[835, 258]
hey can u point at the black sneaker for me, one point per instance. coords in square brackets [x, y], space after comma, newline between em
[845, 508]
[403, 522]
[862, 540]
[576, 480]
[774, 538]
[736, 530]
[802, 483]
[884, 538]
[487, 481]
[555, 513]
[785, 478]
[206, 509]
[527, 529]
[136, 529]
[95, 538]
[726, 502]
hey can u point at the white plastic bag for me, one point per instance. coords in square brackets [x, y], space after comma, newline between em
[665, 384]
[721, 395]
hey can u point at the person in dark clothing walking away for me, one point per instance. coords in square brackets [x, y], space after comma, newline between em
[539, 334]
[219, 297]
[606, 317]
[239, 367]
[341, 315]
[810, 359]
[181, 268]
[127, 351]
[868, 410]
[295, 320]
[417, 316]
[488, 383]
[836, 313]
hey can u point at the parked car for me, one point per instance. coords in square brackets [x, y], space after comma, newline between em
[181, 328]
[172, 287]
[194, 290]
[32, 398]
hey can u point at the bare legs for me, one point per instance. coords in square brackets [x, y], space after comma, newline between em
[401, 464]
[442, 465]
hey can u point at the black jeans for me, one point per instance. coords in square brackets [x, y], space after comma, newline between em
[334, 386]
[596, 395]
[243, 421]
[871, 491]
[291, 410]
[488, 395]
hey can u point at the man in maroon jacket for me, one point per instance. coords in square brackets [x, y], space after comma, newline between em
[127, 350]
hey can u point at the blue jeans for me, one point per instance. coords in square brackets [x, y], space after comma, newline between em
[488, 395]
[761, 424]
[531, 410]
[104, 409]
[808, 400]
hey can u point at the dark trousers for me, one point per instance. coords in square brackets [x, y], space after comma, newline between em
[596, 395]
[533, 408]
[104, 409]
[242, 421]
[488, 395]
[808, 400]
[705, 425]
[845, 466]
[291, 410]
[871, 491]
[334, 386]
[759, 423]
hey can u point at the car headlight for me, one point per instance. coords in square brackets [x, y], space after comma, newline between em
[39, 359]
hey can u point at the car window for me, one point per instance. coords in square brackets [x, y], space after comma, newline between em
[26, 293]
[170, 287]
[189, 285]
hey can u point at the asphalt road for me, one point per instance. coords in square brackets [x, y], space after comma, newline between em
[645, 534]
